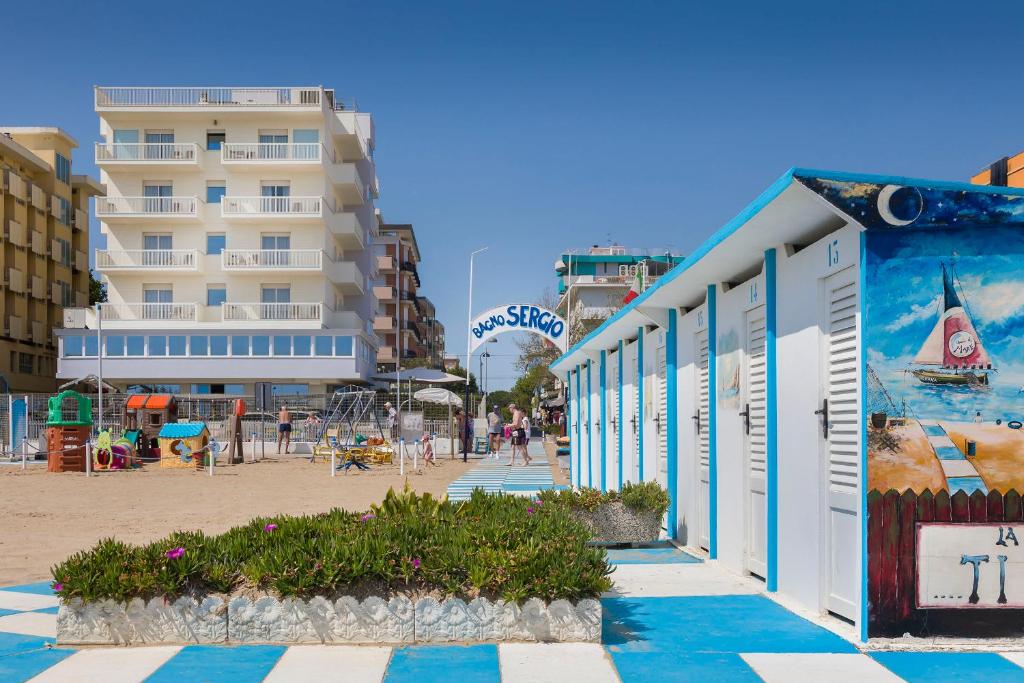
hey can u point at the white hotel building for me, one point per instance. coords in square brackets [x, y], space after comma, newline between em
[239, 226]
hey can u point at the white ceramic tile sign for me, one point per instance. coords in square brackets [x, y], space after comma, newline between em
[970, 565]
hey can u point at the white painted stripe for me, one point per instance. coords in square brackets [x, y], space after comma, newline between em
[351, 663]
[555, 663]
[30, 624]
[108, 665]
[26, 601]
[668, 580]
[1015, 657]
[941, 441]
[929, 423]
[958, 468]
[812, 668]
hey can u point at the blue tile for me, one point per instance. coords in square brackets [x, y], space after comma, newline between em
[15, 643]
[444, 663]
[671, 667]
[967, 484]
[25, 665]
[5, 612]
[933, 430]
[219, 663]
[724, 624]
[48, 610]
[663, 553]
[949, 666]
[40, 588]
[949, 453]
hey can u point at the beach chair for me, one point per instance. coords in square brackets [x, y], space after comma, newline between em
[324, 448]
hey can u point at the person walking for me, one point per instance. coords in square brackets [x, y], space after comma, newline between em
[460, 429]
[392, 415]
[284, 429]
[518, 435]
[493, 432]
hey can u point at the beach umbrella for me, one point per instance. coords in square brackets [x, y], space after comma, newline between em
[444, 397]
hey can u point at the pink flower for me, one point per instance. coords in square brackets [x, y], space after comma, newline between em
[58, 586]
[269, 527]
[368, 516]
[415, 563]
[529, 510]
[538, 502]
[175, 553]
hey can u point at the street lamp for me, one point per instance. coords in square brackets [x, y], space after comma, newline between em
[469, 323]
[483, 369]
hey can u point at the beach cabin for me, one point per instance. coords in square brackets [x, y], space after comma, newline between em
[830, 388]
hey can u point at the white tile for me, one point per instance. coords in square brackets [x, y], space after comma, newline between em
[958, 468]
[668, 580]
[813, 668]
[108, 665]
[30, 624]
[26, 601]
[941, 441]
[1015, 657]
[555, 663]
[351, 663]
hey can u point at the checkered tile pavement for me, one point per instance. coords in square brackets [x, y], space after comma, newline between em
[495, 476]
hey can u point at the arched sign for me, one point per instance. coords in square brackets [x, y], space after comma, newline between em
[518, 318]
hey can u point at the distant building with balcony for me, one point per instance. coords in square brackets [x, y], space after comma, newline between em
[407, 322]
[44, 263]
[594, 282]
[1005, 172]
[239, 225]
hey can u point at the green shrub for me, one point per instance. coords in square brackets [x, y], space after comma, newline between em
[553, 429]
[497, 546]
[647, 496]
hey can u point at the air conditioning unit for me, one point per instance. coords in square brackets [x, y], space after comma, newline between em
[74, 318]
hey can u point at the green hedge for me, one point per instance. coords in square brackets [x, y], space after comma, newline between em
[643, 497]
[497, 546]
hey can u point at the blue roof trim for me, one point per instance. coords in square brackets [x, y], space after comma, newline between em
[181, 430]
[765, 198]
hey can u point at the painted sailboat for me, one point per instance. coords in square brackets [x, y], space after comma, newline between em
[954, 346]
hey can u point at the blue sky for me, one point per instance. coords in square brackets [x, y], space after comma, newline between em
[532, 127]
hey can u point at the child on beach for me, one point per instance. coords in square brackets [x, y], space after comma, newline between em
[428, 451]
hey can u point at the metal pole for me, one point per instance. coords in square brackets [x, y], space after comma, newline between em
[401, 456]
[99, 366]
[88, 458]
[398, 340]
[568, 300]
[334, 455]
[469, 332]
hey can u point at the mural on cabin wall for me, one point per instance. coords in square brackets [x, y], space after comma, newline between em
[729, 370]
[943, 335]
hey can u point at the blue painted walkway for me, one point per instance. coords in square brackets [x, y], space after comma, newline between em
[495, 476]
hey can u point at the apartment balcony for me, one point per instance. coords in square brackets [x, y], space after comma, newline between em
[123, 156]
[273, 313]
[348, 182]
[386, 354]
[149, 312]
[272, 208]
[350, 136]
[345, 274]
[135, 208]
[384, 292]
[206, 99]
[163, 260]
[385, 263]
[263, 155]
[383, 323]
[349, 227]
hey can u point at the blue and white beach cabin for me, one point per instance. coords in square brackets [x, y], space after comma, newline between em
[748, 379]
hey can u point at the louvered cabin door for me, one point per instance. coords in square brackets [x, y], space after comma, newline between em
[638, 377]
[661, 418]
[702, 425]
[612, 428]
[841, 450]
[753, 425]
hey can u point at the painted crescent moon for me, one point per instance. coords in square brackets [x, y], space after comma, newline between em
[885, 211]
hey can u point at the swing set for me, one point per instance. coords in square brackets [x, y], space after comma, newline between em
[350, 408]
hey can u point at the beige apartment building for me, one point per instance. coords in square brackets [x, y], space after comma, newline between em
[44, 212]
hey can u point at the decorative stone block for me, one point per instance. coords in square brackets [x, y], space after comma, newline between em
[615, 523]
[186, 620]
[347, 620]
[452, 620]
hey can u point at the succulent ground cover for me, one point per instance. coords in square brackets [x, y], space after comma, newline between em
[495, 546]
[647, 496]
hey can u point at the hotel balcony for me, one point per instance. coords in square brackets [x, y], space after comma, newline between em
[263, 313]
[349, 227]
[147, 260]
[264, 208]
[386, 354]
[383, 323]
[345, 274]
[205, 99]
[384, 292]
[260, 155]
[134, 208]
[385, 263]
[121, 155]
[148, 312]
[348, 182]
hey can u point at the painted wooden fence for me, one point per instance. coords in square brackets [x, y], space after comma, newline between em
[892, 561]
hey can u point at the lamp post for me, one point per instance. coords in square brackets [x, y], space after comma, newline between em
[99, 366]
[469, 322]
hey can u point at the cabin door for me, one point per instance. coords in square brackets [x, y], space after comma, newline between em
[839, 415]
[638, 377]
[702, 446]
[752, 414]
[611, 397]
[661, 417]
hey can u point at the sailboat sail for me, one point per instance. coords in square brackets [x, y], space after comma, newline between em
[953, 342]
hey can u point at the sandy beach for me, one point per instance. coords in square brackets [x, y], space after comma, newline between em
[999, 452]
[49, 516]
[912, 465]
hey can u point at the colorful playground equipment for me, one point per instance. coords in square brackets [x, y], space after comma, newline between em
[351, 409]
[113, 455]
[144, 417]
[184, 445]
[68, 427]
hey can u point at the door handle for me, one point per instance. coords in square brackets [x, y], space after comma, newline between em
[696, 420]
[613, 424]
[632, 421]
[823, 411]
[657, 422]
[746, 418]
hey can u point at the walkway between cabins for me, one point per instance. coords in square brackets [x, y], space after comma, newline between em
[495, 476]
[670, 617]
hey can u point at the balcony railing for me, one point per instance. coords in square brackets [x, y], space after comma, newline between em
[271, 206]
[272, 259]
[234, 312]
[271, 152]
[146, 152]
[163, 259]
[146, 311]
[209, 97]
[146, 206]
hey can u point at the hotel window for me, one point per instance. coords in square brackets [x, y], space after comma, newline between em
[274, 196]
[216, 295]
[66, 294]
[307, 143]
[289, 389]
[154, 248]
[200, 388]
[215, 243]
[65, 213]
[115, 345]
[159, 144]
[158, 345]
[158, 195]
[271, 299]
[234, 389]
[198, 345]
[273, 144]
[136, 345]
[156, 300]
[27, 364]
[261, 345]
[92, 345]
[282, 345]
[343, 346]
[63, 169]
[214, 139]
[218, 345]
[324, 346]
[301, 345]
[72, 346]
[276, 249]
[64, 255]
[239, 346]
[215, 191]
[176, 345]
